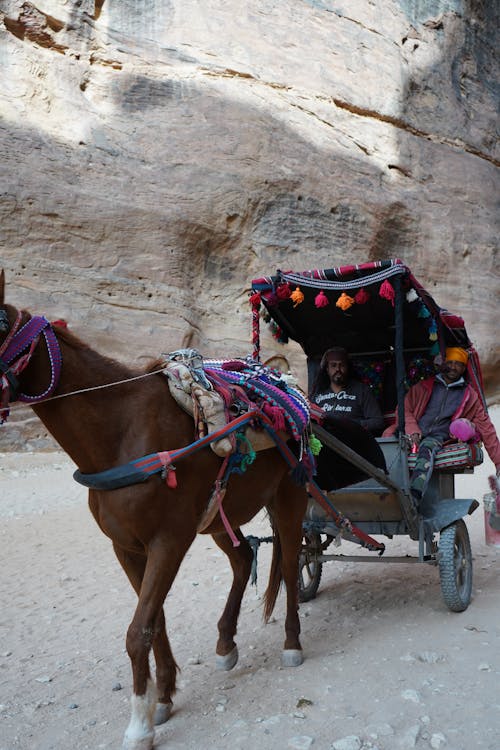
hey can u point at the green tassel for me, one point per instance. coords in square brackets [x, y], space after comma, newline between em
[315, 445]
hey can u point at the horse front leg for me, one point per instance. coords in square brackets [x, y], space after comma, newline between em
[163, 561]
[134, 565]
[240, 559]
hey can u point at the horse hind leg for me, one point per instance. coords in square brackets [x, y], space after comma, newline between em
[240, 559]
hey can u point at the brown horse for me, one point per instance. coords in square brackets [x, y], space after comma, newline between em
[151, 526]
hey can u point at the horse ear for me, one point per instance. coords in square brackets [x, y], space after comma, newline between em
[2, 286]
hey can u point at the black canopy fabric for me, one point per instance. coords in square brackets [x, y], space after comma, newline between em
[378, 311]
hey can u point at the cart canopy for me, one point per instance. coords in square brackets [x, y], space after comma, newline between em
[390, 325]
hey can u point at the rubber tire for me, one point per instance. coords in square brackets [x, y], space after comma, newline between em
[455, 566]
[309, 570]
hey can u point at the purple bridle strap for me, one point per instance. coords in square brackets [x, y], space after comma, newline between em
[25, 338]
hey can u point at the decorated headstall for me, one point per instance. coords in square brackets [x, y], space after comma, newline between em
[15, 354]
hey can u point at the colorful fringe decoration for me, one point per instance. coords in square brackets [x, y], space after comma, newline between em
[321, 300]
[344, 302]
[387, 292]
[297, 297]
[361, 297]
[423, 312]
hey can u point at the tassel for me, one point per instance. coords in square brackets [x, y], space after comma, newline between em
[276, 416]
[171, 478]
[283, 291]
[255, 299]
[411, 296]
[423, 312]
[321, 300]
[387, 292]
[361, 297]
[315, 445]
[297, 297]
[299, 474]
[434, 348]
[344, 301]
[433, 331]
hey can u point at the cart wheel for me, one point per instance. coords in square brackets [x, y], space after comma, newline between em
[309, 568]
[455, 566]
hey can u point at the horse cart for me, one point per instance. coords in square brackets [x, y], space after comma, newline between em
[394, 332]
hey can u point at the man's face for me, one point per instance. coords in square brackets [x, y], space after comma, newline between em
[337, 371]
[452, 370]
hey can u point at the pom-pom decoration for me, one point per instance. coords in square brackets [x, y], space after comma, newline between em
[423, 312]
[433, 331]
[387, 292]
[255, 299]
[283, 291]
[361, 297]
[344, 302]
[321, 300]
[297, 297]
[464, 430]
[315, 445]
[411, 296]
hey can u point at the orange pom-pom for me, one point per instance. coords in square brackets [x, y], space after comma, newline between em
[321, 300]
[297, 297]
[344, 301]
[361, 297]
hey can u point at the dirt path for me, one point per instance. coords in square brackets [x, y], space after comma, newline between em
[387, 665]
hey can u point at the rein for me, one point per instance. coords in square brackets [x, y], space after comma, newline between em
[14, 359]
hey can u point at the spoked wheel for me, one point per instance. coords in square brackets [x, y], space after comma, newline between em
[309, 569]
[455, 566]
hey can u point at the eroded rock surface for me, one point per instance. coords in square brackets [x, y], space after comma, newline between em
[155, 160]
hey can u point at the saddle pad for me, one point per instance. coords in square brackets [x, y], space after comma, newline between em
[262, 385]
[455, 455]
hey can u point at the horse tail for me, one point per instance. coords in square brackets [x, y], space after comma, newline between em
[275, 577]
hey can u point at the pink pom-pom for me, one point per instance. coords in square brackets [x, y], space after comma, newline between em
[464, 430]
[283, 291]
[361, 297]
[387, 292]
[321, 300]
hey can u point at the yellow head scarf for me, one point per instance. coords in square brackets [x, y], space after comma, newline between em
[456, 354]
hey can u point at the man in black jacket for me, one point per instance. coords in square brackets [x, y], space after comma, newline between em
[341, 396]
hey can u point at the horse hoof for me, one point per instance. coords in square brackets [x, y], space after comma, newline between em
[292, 657]
[144, 743]
[162, 713]
[227, 662]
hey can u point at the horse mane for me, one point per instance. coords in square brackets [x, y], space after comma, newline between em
[74, 342]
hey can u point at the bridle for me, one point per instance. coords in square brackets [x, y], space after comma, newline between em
[15, 354]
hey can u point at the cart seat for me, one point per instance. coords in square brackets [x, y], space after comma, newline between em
[454, 457]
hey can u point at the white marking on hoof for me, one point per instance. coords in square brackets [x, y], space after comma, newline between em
[162, 713]
[140, 731]
[292, 657]
[227, 662]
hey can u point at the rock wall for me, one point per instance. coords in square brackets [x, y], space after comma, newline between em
[158, 156]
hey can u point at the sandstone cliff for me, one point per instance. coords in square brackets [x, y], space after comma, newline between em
[158, 156]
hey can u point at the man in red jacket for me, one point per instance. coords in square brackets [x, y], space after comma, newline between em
[432, 405]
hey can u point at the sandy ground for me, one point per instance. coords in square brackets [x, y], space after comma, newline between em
[387, 665]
